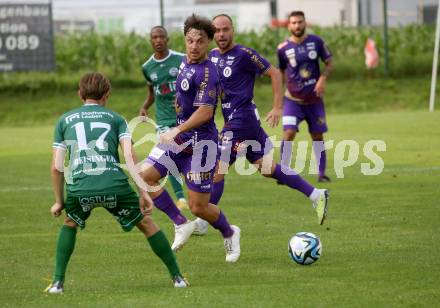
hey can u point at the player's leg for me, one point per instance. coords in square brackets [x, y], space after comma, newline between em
[227, 156]
[153, 170]
[287, 176]
[177, 187]
[199, 183]
[200, 207]
[315, 117]
[151, 173]
[66, 241]
[292, 117]
[178, 192]
[161, 247]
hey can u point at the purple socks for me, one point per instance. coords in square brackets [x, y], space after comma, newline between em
[164, 203]
[223, 225]
[292, 180]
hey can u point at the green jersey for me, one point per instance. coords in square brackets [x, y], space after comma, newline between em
[91, 136]
[162, 74]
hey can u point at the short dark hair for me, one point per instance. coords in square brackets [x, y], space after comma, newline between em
[93, 86]
[296, 14]
[223, 15]
[159, 27]
[199, 23]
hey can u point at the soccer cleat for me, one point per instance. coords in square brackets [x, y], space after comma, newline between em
[321, 206]
[201, 226]
[232, 245]
[180, 282]
[323, 178]
[55, 288]
[182, 204]
[181, 234]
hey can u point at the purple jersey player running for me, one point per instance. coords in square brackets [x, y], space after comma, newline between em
[238, 67]
[298, 59]
[191, 146]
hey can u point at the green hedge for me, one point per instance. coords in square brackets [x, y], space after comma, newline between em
[121, 55]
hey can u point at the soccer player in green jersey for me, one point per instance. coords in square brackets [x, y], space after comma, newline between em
[91, 135]
[161, 71]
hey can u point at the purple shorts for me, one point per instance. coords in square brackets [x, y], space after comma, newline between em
[250, 141]
[294, 113]
[197, 165]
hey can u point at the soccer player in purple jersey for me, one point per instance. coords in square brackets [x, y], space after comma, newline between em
[191, 146]
[298, 58]
[238, 67]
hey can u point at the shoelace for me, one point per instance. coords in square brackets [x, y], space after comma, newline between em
[228, 245]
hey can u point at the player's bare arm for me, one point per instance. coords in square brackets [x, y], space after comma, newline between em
[321, 84]
[57, 174]
[143, 111]
[202, 115]
[273, 117]
[145, 202]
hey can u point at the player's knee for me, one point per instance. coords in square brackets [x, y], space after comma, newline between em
[289, 134]
[317, 136]
[197, 207]
[70, 223]
[145, 224]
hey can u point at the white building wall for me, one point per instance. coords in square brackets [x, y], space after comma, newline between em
[322, 12]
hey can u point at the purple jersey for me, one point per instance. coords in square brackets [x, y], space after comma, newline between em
[301, 64]
[237, 69]
[196, 85]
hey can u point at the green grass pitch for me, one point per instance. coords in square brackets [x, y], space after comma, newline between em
[380, 241]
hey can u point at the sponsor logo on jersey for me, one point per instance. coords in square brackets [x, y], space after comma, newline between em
[71, 117]
[290, 51]
[227, 72]
[313, 54]
[198, 176]
[153, 76]
[184, 84]
[212, 93]
[173, 71]
[231, 58]
[90, 202]
[214, 59]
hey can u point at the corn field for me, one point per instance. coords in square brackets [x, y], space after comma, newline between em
[120, 55]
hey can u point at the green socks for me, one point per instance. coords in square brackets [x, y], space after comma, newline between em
[178, 190]
[65, 246]
[162, 249]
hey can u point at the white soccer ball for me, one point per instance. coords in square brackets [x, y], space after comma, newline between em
[305, 248]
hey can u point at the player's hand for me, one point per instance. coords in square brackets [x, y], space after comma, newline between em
[145, 203]
[320, 87]
[56, 209]
[143, 113]
[168, 137]
[273, 117]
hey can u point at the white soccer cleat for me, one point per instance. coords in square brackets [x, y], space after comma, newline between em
[180, 282]
[321, 206]
[55, 288]
[201, 226]
[232, 245]
[181, 234]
